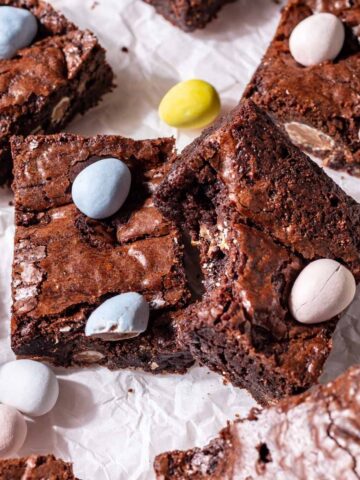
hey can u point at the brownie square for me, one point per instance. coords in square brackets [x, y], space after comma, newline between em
[36, 467]
[258, 211]
[314, 435]
[188, 16]
[63, 72]
[66, 264]
[319, 105]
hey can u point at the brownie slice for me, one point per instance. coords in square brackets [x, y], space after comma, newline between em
[36, 467]
[188, 15]
[65, 264]
[62, 73]
[311, 436]
[318, 105]
[258, 210]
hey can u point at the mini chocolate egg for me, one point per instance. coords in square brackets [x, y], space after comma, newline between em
[18, 28]
[30, 387]
[119, 318]
[13, 430]
[100, 189]
[317, 38]
[190, 104]
[323, 289]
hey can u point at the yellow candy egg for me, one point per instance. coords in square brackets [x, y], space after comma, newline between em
[190, 104]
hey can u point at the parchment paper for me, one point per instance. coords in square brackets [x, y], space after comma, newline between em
[111, 424]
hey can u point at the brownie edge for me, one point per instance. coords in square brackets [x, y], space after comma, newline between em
[188, 16]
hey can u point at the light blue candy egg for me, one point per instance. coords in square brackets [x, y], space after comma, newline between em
[101, 188]
[119, 318]
[18, 28]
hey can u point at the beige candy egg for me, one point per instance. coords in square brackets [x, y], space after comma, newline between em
[316, 39]
[13, 430]
[322, 290]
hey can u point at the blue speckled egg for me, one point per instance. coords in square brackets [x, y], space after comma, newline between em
[119, 318]
[101, 188]
[18, 28]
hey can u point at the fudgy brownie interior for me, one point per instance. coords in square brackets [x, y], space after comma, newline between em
[258, 210]
[65, 264]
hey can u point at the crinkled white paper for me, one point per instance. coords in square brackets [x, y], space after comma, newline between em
[112, 424]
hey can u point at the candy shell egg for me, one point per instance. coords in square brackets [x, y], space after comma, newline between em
[18, 28]
[30, 387]
[190, 104]
[317, 38]
[100, 189]
[323, 289]
[13, 430]
[118, 318]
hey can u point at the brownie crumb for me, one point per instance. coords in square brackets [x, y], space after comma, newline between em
[125, 49]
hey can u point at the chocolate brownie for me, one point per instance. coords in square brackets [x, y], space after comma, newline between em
[310, 436]
[36, 467]
[188, 15]
[258, 210]
[318, 105]
[65, 264]
[62, 73]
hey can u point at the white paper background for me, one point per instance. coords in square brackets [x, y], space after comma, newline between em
[108, 430]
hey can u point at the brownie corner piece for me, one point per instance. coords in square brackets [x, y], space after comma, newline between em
[259, 211]
[317, 105]
[188, 16]
[36, 467]
[66, 264]
[324, 422]
[62, 73]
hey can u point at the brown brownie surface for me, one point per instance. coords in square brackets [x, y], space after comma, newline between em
[63, 72]
[36, 467]
[259, 210]
[324, 97]
[66, 264]
[188, 15]
[311, 436]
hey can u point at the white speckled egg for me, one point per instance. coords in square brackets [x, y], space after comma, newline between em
[101, 188]
[323, 289]
[119, 318]
[13, 430]
[317, 38]
[30, 387]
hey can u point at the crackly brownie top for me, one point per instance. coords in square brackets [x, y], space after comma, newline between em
[46, 66]
[270, 184]
[36, 468]
[65, 261]
[310, 436]
[326, 95]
